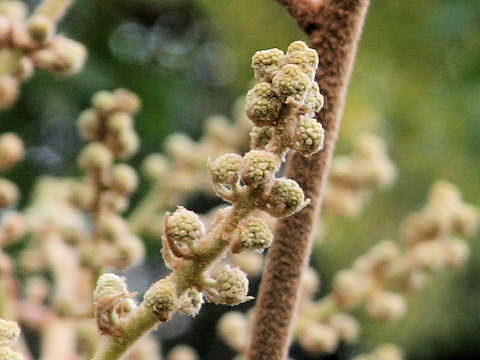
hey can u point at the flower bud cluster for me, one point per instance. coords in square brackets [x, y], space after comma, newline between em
[105, 192]
[113, 303]
[11, 152]
[353, 177]
[285, 93]
[9, 333]
[32, 43]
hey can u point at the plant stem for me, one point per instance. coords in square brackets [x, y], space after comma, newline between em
[53, 9]
[334, 28]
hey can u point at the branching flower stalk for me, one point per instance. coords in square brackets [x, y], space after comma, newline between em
[30, 43]
[378, 279]
[282, 104]
[334, 28]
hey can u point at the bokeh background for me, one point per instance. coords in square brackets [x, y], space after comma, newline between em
[416, 83]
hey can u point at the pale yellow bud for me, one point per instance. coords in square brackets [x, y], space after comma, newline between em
[286, 198]
[7, 354]
[13, 227]
[225, 169]
[182, 352]
[41, 28]
[350, 288]
[88, 124]
[13, 9]
[233, 328]
[259, 167]
[124, 179]
[291, 83]
[345, 325]
[161, 299]
[9, 87]
[95, 156]
[9, 193]
[11, 150]
[24, 69]
[232, 286]
[318, 338]
[386, 306]
[262, 105]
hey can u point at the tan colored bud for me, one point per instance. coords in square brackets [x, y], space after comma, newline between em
[318, 338]
[8, 91]
[233, 328]
[182, 352]
[95, 156]
[11, 150]
[41, 28]
[124, 179]
[9, 193]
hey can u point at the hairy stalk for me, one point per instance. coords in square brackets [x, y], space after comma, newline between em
[334, 29]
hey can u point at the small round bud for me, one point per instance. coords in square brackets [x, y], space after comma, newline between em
[156, 167]
[304, 57]
[259, 167]
[386, 306]
[262, 104]
[308, 136]
[41, 28]
[310, 282]
[111, 227]
[429, 255]
[109, 285]
[457, 252]
[8, 91]
[291, 83]
[314, 100]
[11, 150]
[127, 145]
[225, 169]
[104, 101]
[9, 332]
[350, 288]
[130, 251]
[388, 352]
[88, 124]
[318, 338]
[95, 156]
[161, 299]
[9, 193]
[345, 325]
[191, 302]
[62, 56]
[127, 101]
[266, 63]
[119, 123]
[184, 226]
[8, 354]
[182, 148]
[286, 198]
[24, 69]
[233, 328]
[255, 235]
[37, 289]
[232, 286]
[124, 179]
[12, 227]
[218, 128]
[467, 220]
[182, 352]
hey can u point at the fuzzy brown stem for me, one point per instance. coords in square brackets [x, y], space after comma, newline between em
[334, 29]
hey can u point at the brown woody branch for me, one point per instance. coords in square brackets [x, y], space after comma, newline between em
[333, 28]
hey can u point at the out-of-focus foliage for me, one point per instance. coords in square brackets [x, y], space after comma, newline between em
[416, 82]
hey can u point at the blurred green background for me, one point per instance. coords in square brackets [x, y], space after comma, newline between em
[416, 83]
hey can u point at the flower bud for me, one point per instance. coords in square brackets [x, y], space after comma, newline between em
[8, 91]
[314, 100]
[233, 328]
[88, 124]
[161, 299]
[386, 306]
[156, 167]
[232, 286]
[260, 137]
[184, 226]
[111, 227]
[259, 167]
[9, 193]
[41, 28]
[291, 83]
[266, 63]
[109, 285]
[8, 354]
[11, 150]
[306, 59]
[119, 123]
[128, 144]
[466, 220]
[124, 179]
[318, 338]
[131, 251]
[127, 101]
[286, 197]
[24, 68]
[182, 352]
[12, 227]
[95, 156]
[350, 288]
[190, 302]
[308, 136]
[254, 235]
[345, 325]
[262, 105]
[9, 333]
[225, 169]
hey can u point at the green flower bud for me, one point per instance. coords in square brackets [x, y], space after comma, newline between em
[225, 169]
[124, 179]
[109, 285]
[88, 124]
[191, 302]
[9, 332]
[255, 235]
[161, 299]
[95, 156]
[262, 104]
[259, 167]
[9, 193]
[291, 83]
[266, 63]
[184, 226]
[8, 354]
[314, 100]
[308, 136]
[286, 197]
[305, 58]
[232, 286]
